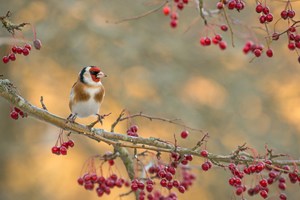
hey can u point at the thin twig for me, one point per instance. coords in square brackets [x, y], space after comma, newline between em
[42, 103]
[139, 16]
[151, 118]
[229, 26]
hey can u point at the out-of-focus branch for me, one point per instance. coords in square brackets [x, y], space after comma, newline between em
[9, 92]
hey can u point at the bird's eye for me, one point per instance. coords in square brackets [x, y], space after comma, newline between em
[94, 72]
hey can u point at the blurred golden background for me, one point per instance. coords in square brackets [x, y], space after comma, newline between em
[152, 68]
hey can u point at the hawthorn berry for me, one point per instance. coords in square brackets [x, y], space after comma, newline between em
[181, 189]
[263, 194]
[173, 23]
[27, 46]
[257, 52]
[166, 10]
[269, 53]
[37, 44]
[184, 133]
[284, 14]
[220, 5]
[259, 8]
[204, 153]
[5, 59]
[25, 51]
[12, 57]
[205, 166]
[222, 45]
[14, 115]
[224, 27]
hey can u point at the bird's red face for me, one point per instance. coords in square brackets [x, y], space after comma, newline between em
[96, 73]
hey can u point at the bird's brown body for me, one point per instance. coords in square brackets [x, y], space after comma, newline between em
[87, 94]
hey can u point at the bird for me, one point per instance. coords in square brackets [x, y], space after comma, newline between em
[87, 94]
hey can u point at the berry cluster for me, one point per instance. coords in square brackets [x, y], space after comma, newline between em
[275, 174]
[265, 16]
[132, 131]
[101, 184]
[16, 112]
[217, 39]
[61, 147]
[287, 14]
[17, 50]
[256, 49]
[179, 4]
[235, 4]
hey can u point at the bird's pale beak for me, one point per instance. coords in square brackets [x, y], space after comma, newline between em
[101, 75]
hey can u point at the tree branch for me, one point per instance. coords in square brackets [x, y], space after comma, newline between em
[10, 93]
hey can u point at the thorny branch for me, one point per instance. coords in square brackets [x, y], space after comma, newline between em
[9, 92]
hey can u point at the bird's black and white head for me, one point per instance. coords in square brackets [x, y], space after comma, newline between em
[91, 75]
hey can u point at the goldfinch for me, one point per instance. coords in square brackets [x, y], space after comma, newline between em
[87, 93]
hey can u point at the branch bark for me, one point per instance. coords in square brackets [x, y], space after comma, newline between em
[119, 141]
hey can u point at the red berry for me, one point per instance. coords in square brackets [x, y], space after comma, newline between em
[204, 153]
[257, 52]
[5, 59]
[80, 180]
[205, 166]
[239, 191]
[269, 53]
[63, 150]
[174, 15]
[231, 4]
[25, 51]
[141, 185]
[71, 143]
[222, 45]
[224, 27]
[184, 134]
[163, 182]
[55, 150]
[14, 115]
[149, 188]
[173, 23]
[181, 189]
[12, 57]
[19, 50]
[291, 46]
[282, 196]
[284, 14]
[166, 10]
[189, 157]
[259, 8]
[266, 10]
[263, 194]
[282, 186]
[185, 1]
[176, 183]
[207, 41]
[220, 5]
[262, 19]
[134, 186]
[37, 44]
[27, 46]
[291, 13]
[263, 183]
[180, 5]
[14, 49]
[269, 17]
[202, 41]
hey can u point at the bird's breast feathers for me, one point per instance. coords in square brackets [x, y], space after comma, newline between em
[86, 100]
